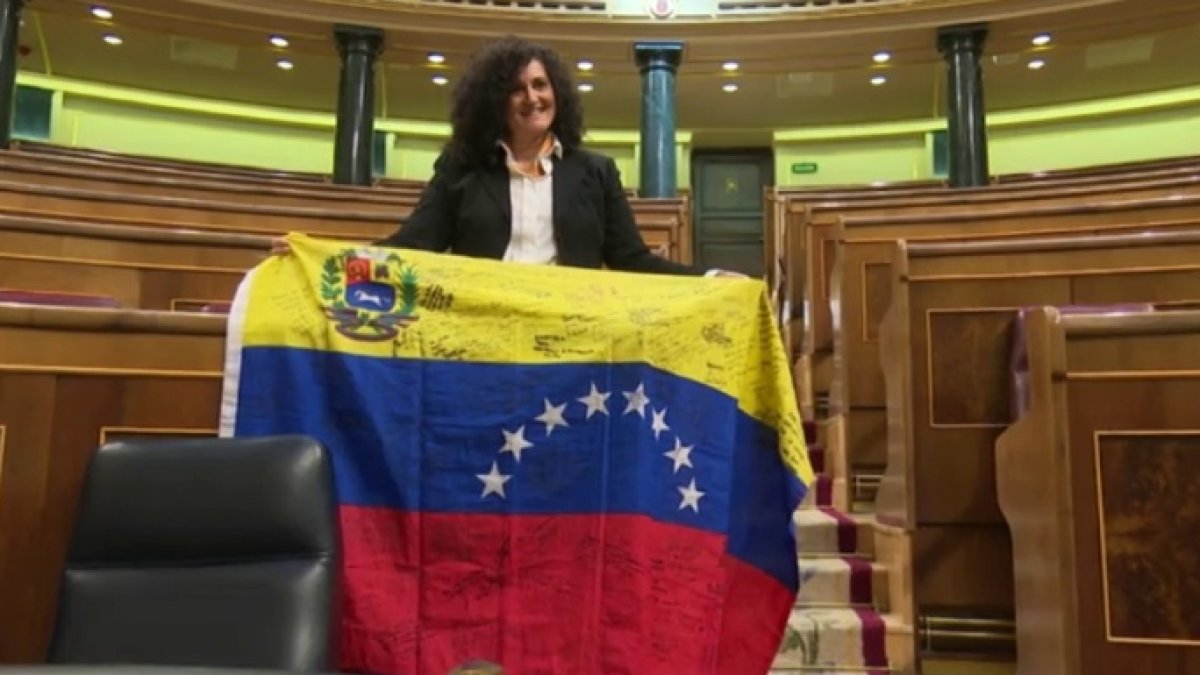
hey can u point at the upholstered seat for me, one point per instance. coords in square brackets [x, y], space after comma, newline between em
[214, 553]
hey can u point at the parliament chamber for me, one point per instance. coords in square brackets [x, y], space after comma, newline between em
[978, 223]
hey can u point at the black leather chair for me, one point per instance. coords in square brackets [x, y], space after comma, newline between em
[207, 553]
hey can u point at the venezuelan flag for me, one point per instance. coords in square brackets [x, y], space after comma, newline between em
[558, 470]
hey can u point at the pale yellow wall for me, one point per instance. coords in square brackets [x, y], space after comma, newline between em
[138, 129]
[1140, 135]
[413, 158]
[848, 161]
[1148, 126]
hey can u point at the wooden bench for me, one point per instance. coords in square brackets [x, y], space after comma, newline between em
[862, 283]
[1097, 481]
[784, 207]
[945, 345]
[171, 269]
[813, 232]
[65, 174]
[69, 380]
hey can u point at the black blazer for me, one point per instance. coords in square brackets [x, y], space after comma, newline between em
[469, 212]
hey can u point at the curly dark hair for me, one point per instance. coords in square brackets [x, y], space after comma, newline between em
[480, 100]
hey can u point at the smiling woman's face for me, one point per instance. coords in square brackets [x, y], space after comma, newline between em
[530, 104]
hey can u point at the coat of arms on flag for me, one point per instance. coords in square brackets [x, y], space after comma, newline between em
[560, 471]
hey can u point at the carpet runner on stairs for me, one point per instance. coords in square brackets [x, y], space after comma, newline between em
[836, 626]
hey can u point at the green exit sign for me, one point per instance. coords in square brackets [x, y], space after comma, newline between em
[804, 167]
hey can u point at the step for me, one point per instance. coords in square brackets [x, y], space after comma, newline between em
[841, 582]
[820, 493]
[816, 457]
[828, 531]
[831, 638]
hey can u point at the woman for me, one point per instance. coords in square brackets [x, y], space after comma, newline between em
[514, 183]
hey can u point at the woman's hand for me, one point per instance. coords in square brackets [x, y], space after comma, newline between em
[280, 246]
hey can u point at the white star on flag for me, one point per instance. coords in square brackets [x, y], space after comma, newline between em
[552, 416]
[514, 442]
[493, 482]
[691, 497]
[682, 455]
[637, 400]
[659, 424]
[596, 401]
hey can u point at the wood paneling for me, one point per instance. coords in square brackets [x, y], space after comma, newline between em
[66, 376]
[1097, 481]
[948, 349]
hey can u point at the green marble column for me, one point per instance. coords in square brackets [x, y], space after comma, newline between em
[658, 62]
[359, 47]
[962, 47]
[10, 28]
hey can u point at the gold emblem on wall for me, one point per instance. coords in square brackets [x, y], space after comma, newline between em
[731, 186]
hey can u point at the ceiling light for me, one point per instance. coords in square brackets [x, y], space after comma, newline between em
[1037, 64]
[730, 88]
[113, 40]
[284, 64]
[729, 66]
[585, 87]
[434, 57]
[882, 57]
[1041, 39]
[440, 80]
[279, 41]
[102, 12]
[585, 65]
[878, 80]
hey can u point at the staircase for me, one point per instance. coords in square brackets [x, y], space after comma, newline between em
[841, 623]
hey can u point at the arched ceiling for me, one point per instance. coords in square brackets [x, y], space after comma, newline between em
[797, 69]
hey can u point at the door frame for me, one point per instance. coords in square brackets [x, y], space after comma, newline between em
[764, 153]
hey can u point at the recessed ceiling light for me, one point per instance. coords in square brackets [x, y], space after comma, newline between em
[434, 57]
[102, 12]
[730, 87]
[585, 87]
[729, 66]
[585, 65]
[279, 41]
[113, 39]
[878, 80]
[1041, 39]
[1037, 64]
[440, 80]
[284, 64]
[882, 57]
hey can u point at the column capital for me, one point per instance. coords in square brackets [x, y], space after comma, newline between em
[658, 55]
[352, 38]
[964, 37]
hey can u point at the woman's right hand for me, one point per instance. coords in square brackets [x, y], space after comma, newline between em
[280, 246]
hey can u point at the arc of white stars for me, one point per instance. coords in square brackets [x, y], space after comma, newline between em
[691, 497]
[637, 400]
[552, 416]
[596, 401]
[681, 455]
[493, 482]
[514, 442]
[659, 423]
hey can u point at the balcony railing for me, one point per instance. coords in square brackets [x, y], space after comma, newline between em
[684, 8]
